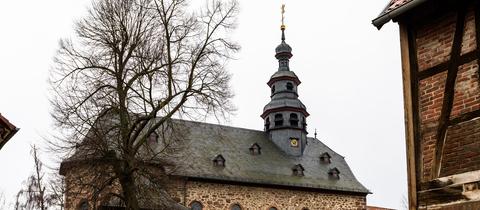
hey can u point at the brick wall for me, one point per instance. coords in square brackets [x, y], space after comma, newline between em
[215, 196]
[462, 144]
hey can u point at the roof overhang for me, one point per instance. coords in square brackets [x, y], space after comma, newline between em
[384, 17]
[8, 133]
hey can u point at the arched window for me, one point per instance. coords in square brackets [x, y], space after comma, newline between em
[278, 120]
[267, 123]
[304, 208]
[83, 206]
[294, 119]
[195, 205]
[236, 207]
[289, 86]
[304, 123]
[273, 89]
[273, 208]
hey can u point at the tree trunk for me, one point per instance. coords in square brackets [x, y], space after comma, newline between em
[129, 189]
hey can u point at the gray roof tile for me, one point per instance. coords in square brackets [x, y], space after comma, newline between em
[205, 141]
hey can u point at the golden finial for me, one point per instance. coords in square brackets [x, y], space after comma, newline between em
[283, 17]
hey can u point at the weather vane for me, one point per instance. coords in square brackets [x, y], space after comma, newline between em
[283, 17]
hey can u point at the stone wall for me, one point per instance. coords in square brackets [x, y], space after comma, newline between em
[215, 196]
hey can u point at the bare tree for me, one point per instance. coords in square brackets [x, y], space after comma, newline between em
[132, 65]
[2, 200]
[39, 192]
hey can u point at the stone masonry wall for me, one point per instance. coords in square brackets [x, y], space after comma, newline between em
[462, 144]
[214, 196]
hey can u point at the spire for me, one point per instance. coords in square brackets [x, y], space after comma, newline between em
[283, 51]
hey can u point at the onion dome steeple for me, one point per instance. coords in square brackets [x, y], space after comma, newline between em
[285, 115]
[283, 52]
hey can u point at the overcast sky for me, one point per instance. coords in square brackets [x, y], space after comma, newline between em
[350, 73]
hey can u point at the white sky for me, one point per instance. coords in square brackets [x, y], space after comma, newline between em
[350, 73]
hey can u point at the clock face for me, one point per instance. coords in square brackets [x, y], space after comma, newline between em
[294, 142]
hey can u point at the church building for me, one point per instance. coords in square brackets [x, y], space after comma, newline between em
[278, 167]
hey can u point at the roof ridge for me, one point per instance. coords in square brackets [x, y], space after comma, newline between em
[220, 125]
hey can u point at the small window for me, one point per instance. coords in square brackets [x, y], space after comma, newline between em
[278, 120]
[298, 170]
[255, 149]
[304, 123]
[267, 123]
[153, 138]
[304, 208]
[195, 205]
[325, 158]
[289, 86]
[83, 206]
[272, 208]
[236, 207]
[334, 173]
[294, 120]
[219, 161]
[273, 89]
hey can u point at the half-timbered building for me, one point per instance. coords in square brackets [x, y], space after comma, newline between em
[440, 57]
[7, 131]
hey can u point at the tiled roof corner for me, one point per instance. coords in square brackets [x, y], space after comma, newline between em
[393, 9]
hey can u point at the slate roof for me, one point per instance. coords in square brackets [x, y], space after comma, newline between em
[393, 9]
[273, 167]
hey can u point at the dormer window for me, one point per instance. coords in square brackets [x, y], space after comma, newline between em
[294, 119]
[289, 86]
[298, 170]
[325, 158]
[219, 161]
[267, 123]
[334, 173]
[153, 138]
[278, 120]
[255, 149]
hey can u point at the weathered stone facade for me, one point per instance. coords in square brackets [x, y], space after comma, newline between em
[216, 196]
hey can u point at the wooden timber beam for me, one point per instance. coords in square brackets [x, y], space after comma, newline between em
[464, 117]
[410, 95]
[449, 90]
[463, 59]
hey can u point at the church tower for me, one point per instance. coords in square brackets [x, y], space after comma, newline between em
[285, 115]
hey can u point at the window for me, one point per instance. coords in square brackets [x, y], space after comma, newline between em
[267, 123]
[289, 86]
[334, 173]
[298, 170]
[83, 205]
[304, 123]
[153, 138]
[255, 149]
[236, 207]
[273, 89]
[195, 205]
[272, 208]
[294, 119]
[325, 158]
[219, 161]
[278, 120]
[304, 208]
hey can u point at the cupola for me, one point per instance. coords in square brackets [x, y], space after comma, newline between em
[285, 115]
